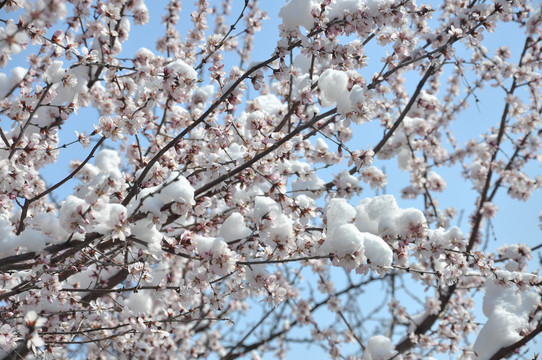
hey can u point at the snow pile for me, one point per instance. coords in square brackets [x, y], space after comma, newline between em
[234, 228]
[296, 13]
[310, 185]
[345, 241]
[270, 104]
[264, 206]
[378, 253]
[257, 276]
[334, 89]
[140, 303]
[382, 216]
[7, 83]
[507, 310]
[54, 72]
[101, 179]
[28, 240]
[350, 246]
[347, 183]
[202, 94]
[112, 218]
[215, 251]
[182, 69]
[379, 348]
[72, 214]
[306, 205]
[176, 189]
[146, 231]
[275, 228]
[108, 162]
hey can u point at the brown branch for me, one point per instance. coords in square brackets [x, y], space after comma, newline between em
[134, 189]
[428, 322]
[111, 283]
[56, 186]
[509, 350]
[407, 108]
[30, 117]
[282, 261]
[484, 193]
[272, 336]
[230, 354]
[90, 340]
[262, 154]
[223, 41]
[351, 330]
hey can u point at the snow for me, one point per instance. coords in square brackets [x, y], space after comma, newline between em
[234, 228]
[332, 84]
[407, 217]
[404, 158]
[357, 96]
[339, 212]
[339, 8]
[28, 240]
[146, 231]
[363, 221]
[380, 205]
[206, 244]
[177, 188]
[377, 251]
[321, 145]
[203, 93]
[234, 152]
[140, 303]
[276, 229]
[308, 185]
[256, 274]
[70, 213]
[86, 279]
[343, 240]
[264, 205]
[382, 216]
[304, 202]
[31, 240]
[7, 83]
[183, 69]
[54, 72]
[435, 181]
[108, 161]
[222, 259]
[508, 311]
[302, 62]
[48, 223]
[297, 13]
[270, 104]
[377, 215]
[379, 348]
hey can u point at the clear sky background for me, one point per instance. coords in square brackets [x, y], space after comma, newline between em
[516, 222]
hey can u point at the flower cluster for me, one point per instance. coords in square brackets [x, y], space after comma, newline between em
[221, 200]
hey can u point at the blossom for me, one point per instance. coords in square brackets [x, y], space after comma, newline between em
[12, 39]
[223, 204]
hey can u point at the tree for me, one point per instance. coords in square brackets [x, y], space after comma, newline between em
[218, 210]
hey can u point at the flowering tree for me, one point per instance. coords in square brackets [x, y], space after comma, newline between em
[218, 210]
